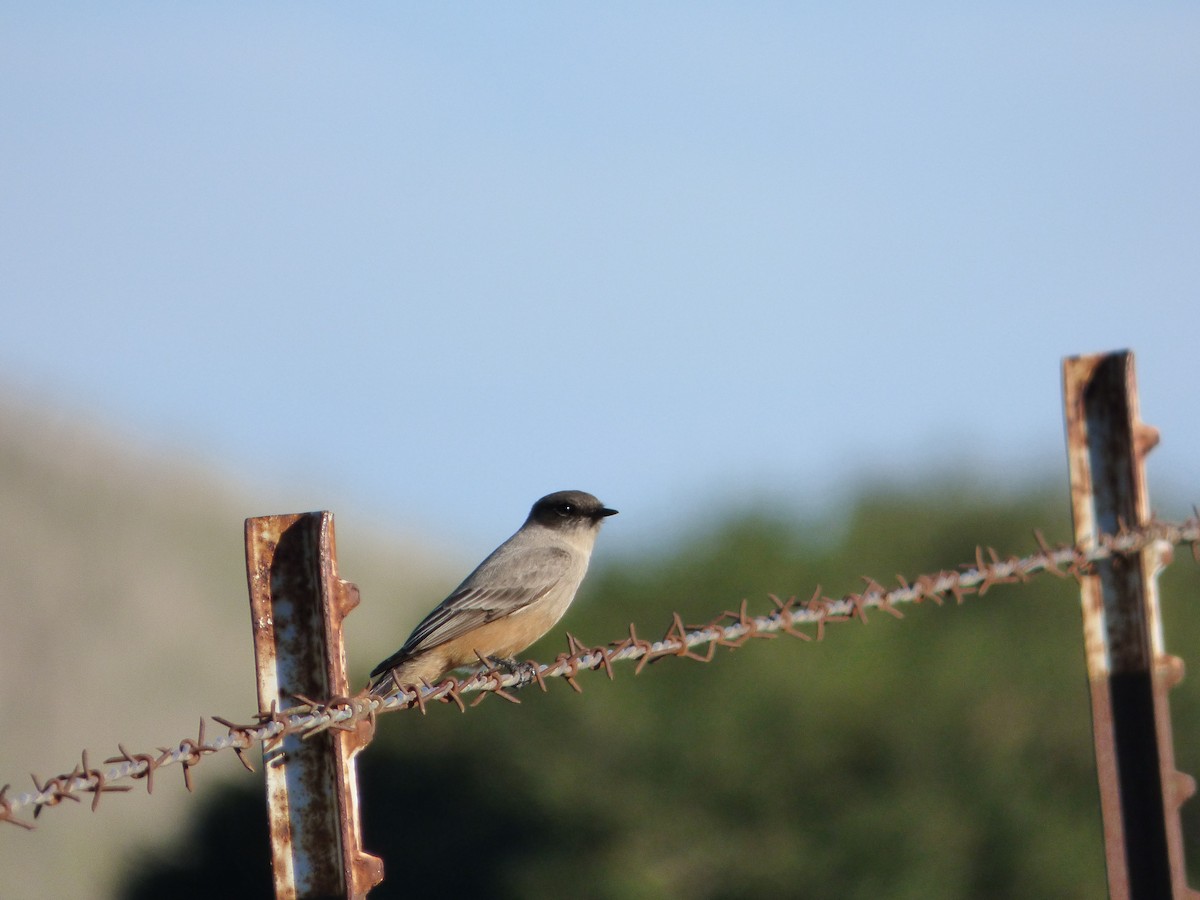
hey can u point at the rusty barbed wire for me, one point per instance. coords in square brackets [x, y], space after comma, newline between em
[729, 629]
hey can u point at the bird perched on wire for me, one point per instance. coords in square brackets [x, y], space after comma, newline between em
[511, 599]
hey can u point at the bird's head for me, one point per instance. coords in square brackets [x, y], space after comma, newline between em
[570, 511]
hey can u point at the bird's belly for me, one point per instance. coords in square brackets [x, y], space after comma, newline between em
[504, 637]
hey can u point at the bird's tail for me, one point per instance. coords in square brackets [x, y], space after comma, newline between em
[382, 685]
[386, 677]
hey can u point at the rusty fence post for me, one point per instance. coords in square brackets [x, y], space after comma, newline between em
[297, 604]
[1128, 669]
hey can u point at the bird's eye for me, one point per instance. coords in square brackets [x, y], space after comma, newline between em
[565, 509]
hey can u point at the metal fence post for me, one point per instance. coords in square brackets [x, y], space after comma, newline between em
[297, 605]
[1128, 669]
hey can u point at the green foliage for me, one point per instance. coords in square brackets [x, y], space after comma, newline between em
[945, 755]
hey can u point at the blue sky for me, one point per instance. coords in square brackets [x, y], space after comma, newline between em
[425, 263]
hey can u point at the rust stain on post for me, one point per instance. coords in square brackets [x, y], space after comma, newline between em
[1128, 669]
[297, 605]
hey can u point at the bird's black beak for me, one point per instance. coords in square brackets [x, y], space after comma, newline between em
[604, 512]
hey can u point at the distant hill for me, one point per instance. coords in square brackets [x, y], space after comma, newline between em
[124, 617]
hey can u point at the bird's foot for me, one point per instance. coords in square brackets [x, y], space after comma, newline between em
[526, 672]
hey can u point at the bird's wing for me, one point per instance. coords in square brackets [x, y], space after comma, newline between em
[481, 599]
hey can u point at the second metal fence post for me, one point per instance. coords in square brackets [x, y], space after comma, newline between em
[1128, 669]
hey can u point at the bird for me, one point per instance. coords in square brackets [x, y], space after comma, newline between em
[510, 600]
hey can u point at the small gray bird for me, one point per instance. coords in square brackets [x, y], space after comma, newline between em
[513, 598]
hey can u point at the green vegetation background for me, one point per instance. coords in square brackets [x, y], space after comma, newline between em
[945, 755]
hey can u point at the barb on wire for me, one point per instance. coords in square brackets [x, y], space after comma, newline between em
[730, 629]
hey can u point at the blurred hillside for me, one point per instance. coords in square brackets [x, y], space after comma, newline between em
[125, 617]
[945, 755]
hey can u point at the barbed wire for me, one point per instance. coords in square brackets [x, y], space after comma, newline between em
[729, 629]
